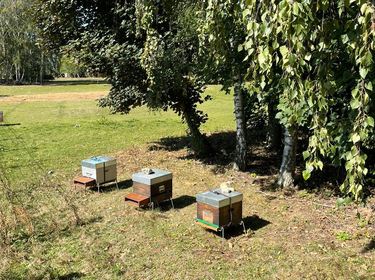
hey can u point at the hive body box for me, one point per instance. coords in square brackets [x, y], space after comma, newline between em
[102, 169]
[219, 210]
[157, 186]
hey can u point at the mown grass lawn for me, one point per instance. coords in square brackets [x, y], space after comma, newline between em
[52, 231]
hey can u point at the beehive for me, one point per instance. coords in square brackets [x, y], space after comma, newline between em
[102, 169]
[151, 188]
[216, 209]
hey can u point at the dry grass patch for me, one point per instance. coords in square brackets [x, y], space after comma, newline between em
[303, 236]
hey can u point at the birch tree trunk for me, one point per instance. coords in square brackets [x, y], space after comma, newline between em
[6, 67]
[273, 130]
[288, 165]
[241, 145]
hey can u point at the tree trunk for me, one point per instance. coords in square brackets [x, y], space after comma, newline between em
[241, 145]
[273, 130]
[288, 165]
[199, 142]
[6, 65]
[42, 69]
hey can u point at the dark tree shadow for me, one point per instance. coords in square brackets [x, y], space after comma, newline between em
[75, 82]
[262, 163]
[71, 276]
[224, 143]
[369, 247]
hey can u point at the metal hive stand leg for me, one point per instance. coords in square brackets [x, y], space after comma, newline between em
[172, 202]
[244, 228]
[222, 235]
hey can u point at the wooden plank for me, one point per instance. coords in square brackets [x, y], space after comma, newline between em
[162, 187]
[206, 225]
[161, 197]
[158, 192]
[225, 214]
[136, 199]
[141, 189]
[220, 216]
[84, 182]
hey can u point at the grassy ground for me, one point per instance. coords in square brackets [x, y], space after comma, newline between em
[52, 231]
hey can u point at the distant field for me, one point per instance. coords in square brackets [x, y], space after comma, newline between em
[50, 230]
[62, 122]
[58, 86]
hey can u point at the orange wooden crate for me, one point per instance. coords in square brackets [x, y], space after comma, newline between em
[135, 199]
[84, 182]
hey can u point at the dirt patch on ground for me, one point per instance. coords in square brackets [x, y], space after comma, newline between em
[65, 96]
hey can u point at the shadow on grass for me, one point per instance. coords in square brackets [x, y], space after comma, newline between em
[252, 223]
[369, 247]
[262, 163]
[109, 187]
[71, 276]
[178, 203]
[183, 201]
[9, 124]
[92, 220]
[255, 222]
[76, 82]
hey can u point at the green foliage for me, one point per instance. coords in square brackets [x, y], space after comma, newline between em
[343, 236]
[222, 32]
[319, 53]
[344, 201]
[70, 68]
[255, 113]
[148, 51]
[21, 59]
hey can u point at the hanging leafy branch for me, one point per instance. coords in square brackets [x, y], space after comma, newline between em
[221, 31]
[324, 50]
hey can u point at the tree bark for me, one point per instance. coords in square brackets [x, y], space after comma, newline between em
[273, 130]
[41, 68]
[241, 145]
[288, 165]
[6, 64]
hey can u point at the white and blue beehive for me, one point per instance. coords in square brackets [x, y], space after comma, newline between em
[101, 169]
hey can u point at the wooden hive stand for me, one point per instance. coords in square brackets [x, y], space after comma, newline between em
[84, 182]
[137, 200]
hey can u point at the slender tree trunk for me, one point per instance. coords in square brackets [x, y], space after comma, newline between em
[7, 74]
[199, 142]
[17, 72]
[6, 67]
[42, 69]
[241, 145]
[288, 165]
[273, 130]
